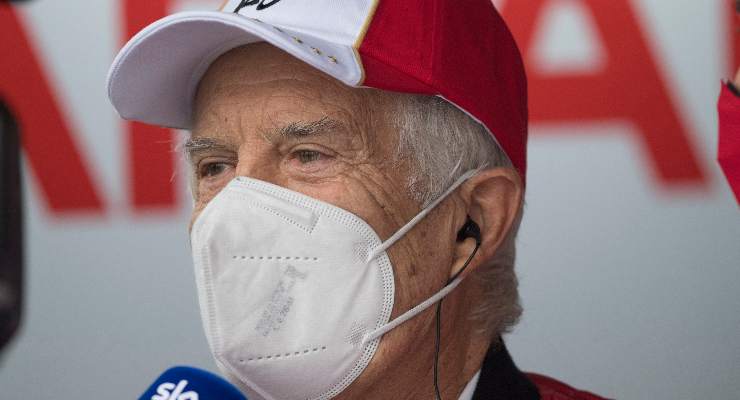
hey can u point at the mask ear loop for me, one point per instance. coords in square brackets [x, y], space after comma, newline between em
[451, 285]
[423, 213]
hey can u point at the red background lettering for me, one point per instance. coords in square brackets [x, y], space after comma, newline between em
[48, 140]
[63, 173]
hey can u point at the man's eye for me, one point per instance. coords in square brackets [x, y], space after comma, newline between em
[212, 169]
[307, 156]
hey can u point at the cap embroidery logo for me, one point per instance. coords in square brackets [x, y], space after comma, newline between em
[261, 4]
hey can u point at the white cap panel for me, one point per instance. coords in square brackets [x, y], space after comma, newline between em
[337, 60]
[338, 21]
[154, 77]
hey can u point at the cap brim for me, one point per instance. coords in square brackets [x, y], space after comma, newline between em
[154, 77]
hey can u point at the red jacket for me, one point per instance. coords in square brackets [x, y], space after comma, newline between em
[550, 389]
[500, 379]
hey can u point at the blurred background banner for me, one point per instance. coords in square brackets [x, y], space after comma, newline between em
[629, 256]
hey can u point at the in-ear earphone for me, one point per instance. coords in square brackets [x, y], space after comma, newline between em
[469, 230]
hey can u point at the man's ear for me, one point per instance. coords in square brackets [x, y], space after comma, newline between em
[493, 198]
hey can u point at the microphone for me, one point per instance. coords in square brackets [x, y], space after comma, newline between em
[187, 383]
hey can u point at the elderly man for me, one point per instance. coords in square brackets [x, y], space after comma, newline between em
[355, 163]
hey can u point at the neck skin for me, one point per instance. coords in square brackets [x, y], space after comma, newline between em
[462, 350]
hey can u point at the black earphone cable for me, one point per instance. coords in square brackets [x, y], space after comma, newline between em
[439, 318]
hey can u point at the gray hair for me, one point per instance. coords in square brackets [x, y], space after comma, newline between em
[437, 136]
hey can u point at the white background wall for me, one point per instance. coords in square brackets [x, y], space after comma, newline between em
[630, 290]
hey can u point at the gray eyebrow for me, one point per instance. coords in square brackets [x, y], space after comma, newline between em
[308, 128]
[197, 145]
[296, 129]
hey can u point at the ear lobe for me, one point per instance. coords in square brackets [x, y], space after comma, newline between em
[494, 198]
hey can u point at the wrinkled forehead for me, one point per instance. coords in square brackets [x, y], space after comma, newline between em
[261, 82]
[264, 63]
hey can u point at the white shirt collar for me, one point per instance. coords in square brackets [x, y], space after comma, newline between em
[467, 393]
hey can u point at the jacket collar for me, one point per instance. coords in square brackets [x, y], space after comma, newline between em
[500, 379]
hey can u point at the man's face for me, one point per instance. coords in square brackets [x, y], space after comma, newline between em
[261, 113]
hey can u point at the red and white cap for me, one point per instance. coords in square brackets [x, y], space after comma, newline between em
[461, 51]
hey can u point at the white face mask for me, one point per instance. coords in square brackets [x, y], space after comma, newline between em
[295, 293]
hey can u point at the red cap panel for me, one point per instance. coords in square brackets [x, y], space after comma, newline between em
[462, 51]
